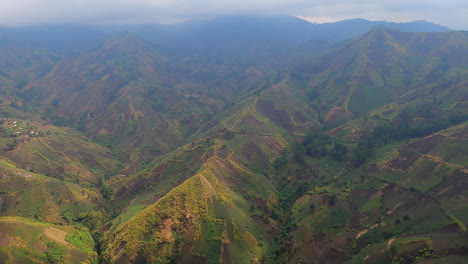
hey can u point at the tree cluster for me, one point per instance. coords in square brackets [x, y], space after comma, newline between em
[387, 133]
[319, 144]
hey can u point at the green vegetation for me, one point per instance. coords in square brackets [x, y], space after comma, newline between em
[371, 205]
[128, 153]
[319, 144]
[81, 239]
[368, 98]
[386, 133]
[55, 253]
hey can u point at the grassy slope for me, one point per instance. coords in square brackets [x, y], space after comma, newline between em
[381, 67]
[412, 199]
[202, 218]
[129, 95]
[26, 241]
[63, 153]
[250, 135]
[36, 196]
[234, 158]
[49, 183]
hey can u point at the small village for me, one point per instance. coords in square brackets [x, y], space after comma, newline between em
[14, 131]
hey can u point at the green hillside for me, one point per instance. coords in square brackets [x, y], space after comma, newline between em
[27, 241]
[129, 153]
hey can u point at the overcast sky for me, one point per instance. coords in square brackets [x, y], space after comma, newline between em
[451, 13]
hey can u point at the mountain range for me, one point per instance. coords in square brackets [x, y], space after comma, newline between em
[236, 140]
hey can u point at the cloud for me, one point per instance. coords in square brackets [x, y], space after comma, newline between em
[451, 13]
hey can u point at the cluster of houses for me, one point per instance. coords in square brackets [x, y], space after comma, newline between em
[25, 175]
[30, 133]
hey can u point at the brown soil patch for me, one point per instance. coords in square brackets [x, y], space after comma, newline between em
[265, 107]
[334, 256]
[251, 121]
[337, 116]
[121, 192]
[452, 228]
[299, 117]
[453, 185]
[281, 116]
[424, 145]
[159, 170]
[226, 254]
[197, 260]
[89, 160]
[405, 160]
[253, 152]
[81, 173]
[223, 152]
[309, 250]
[56, 234]
[195, 157]
[5, 241]
[325, 250]
[410, 153]
[166, 232]
[139, 184]
[123, 259]
[150, 154]
[334, 111]
[376, 195]
[273, 145]
[359, 194]
[226, 167]
[372, 168]
[258, 220]
[340, 242]
[259, 202]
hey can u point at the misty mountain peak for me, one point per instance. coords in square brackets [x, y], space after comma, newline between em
[126, 41]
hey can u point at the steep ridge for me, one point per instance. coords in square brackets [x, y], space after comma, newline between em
[52, 184]
[129, 95]
[233, 183]
[253, 136]
[358, 155]
[253, 125]
[268, 42]
[351, 28]
[380, 67]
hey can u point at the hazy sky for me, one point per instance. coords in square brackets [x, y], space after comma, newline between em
[451, 13]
